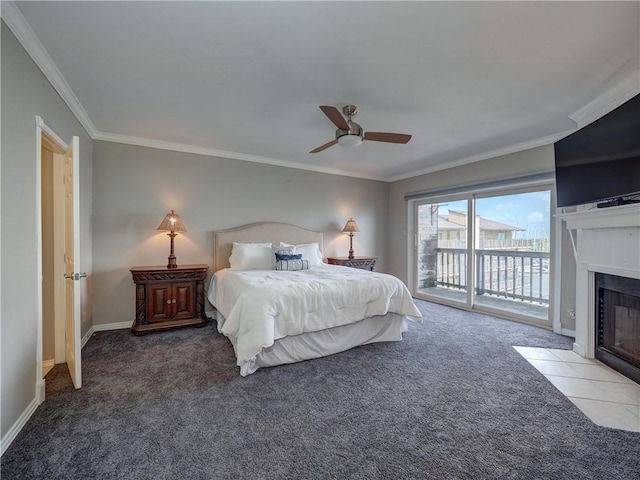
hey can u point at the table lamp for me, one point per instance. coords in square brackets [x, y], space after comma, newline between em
[172, 223]
[351, 227]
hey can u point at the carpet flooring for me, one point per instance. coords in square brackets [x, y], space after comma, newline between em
[453, 400]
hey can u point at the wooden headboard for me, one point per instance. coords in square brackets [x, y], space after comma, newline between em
[259, 232]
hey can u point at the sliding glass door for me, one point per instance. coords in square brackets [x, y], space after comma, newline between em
[442, 249]
[487, 251]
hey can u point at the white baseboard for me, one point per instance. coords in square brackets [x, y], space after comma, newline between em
[103, 328]
[86, 337]
[17, 427]
[210, 313]
[111, 326]
[47, 365]
[568, 333]
[41, 391]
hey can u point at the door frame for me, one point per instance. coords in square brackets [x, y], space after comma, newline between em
[470, 195]
[51, 138]
[56, 239]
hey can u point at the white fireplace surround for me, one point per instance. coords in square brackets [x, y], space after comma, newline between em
[607, 241]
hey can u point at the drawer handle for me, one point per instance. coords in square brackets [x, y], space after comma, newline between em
[168, 302]
[174, 300]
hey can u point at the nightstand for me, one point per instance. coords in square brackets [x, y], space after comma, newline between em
[169, 297]
[364, 263]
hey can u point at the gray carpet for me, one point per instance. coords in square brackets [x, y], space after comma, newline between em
[58, 380]
[452, 400]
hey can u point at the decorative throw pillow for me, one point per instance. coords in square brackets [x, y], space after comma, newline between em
[309, 251]
[288, 256]
[282, 251]
[250, 256]
[292, 265]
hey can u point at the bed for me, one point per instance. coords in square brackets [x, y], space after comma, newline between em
[275, 317]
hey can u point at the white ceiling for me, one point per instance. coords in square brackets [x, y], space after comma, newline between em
[245, 79]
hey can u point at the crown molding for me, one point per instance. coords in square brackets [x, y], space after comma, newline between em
[213, 152]
[600, 106]
[28, 39]
[608, 101]
[519, 147]
[14, 19]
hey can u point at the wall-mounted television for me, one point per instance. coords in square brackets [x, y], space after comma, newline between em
[601, 162]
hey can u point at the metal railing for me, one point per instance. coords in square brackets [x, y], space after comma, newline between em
[518, 275]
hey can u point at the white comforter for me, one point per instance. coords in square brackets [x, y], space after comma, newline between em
[262, 306]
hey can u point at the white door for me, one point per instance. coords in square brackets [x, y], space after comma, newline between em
[72, 261]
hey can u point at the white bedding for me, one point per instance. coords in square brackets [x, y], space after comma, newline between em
[259, 307]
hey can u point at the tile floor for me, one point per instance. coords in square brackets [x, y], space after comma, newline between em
[608, 398]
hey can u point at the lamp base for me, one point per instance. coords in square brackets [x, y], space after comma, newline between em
[351, 246]
[172, 257]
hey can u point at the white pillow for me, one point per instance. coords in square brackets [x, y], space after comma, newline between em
[309, 251]
[250, 256]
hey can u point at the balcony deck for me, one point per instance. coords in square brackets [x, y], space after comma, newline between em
[534, 310]
[512, 281]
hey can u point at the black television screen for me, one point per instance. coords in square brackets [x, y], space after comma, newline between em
[602, 160]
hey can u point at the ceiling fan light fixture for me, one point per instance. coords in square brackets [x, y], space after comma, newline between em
[349, 140]
[352, 137]
[350, 134]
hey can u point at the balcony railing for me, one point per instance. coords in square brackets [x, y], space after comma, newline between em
[493, 243]
[517, 275]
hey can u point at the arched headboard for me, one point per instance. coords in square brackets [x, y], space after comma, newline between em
[259, 232]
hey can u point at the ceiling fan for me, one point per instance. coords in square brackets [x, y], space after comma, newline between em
[350, 134]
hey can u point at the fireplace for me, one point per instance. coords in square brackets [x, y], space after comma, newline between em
[606, 246]
[618, 323]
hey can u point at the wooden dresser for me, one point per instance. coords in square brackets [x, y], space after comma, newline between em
[169, 298]
[364, 263]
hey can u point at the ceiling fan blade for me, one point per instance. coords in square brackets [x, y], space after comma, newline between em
[387, 137]
[325, 146]
[335, 116]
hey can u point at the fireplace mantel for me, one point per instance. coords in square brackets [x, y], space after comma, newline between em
[608, 241]
[610, 217]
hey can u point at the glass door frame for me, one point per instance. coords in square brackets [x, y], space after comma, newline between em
[471, 197]
[470, 270]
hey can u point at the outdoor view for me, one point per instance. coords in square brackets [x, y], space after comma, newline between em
[511, 241]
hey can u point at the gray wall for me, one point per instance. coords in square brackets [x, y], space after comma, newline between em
[25, 94]
[134, 187]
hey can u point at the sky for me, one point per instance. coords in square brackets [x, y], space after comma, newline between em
[524, 210]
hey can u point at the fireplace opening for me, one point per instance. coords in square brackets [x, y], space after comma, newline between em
[618, 323]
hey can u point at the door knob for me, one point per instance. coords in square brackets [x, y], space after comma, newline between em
[75, 276]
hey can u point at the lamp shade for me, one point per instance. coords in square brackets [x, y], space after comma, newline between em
[351, 227]
[172, 223]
